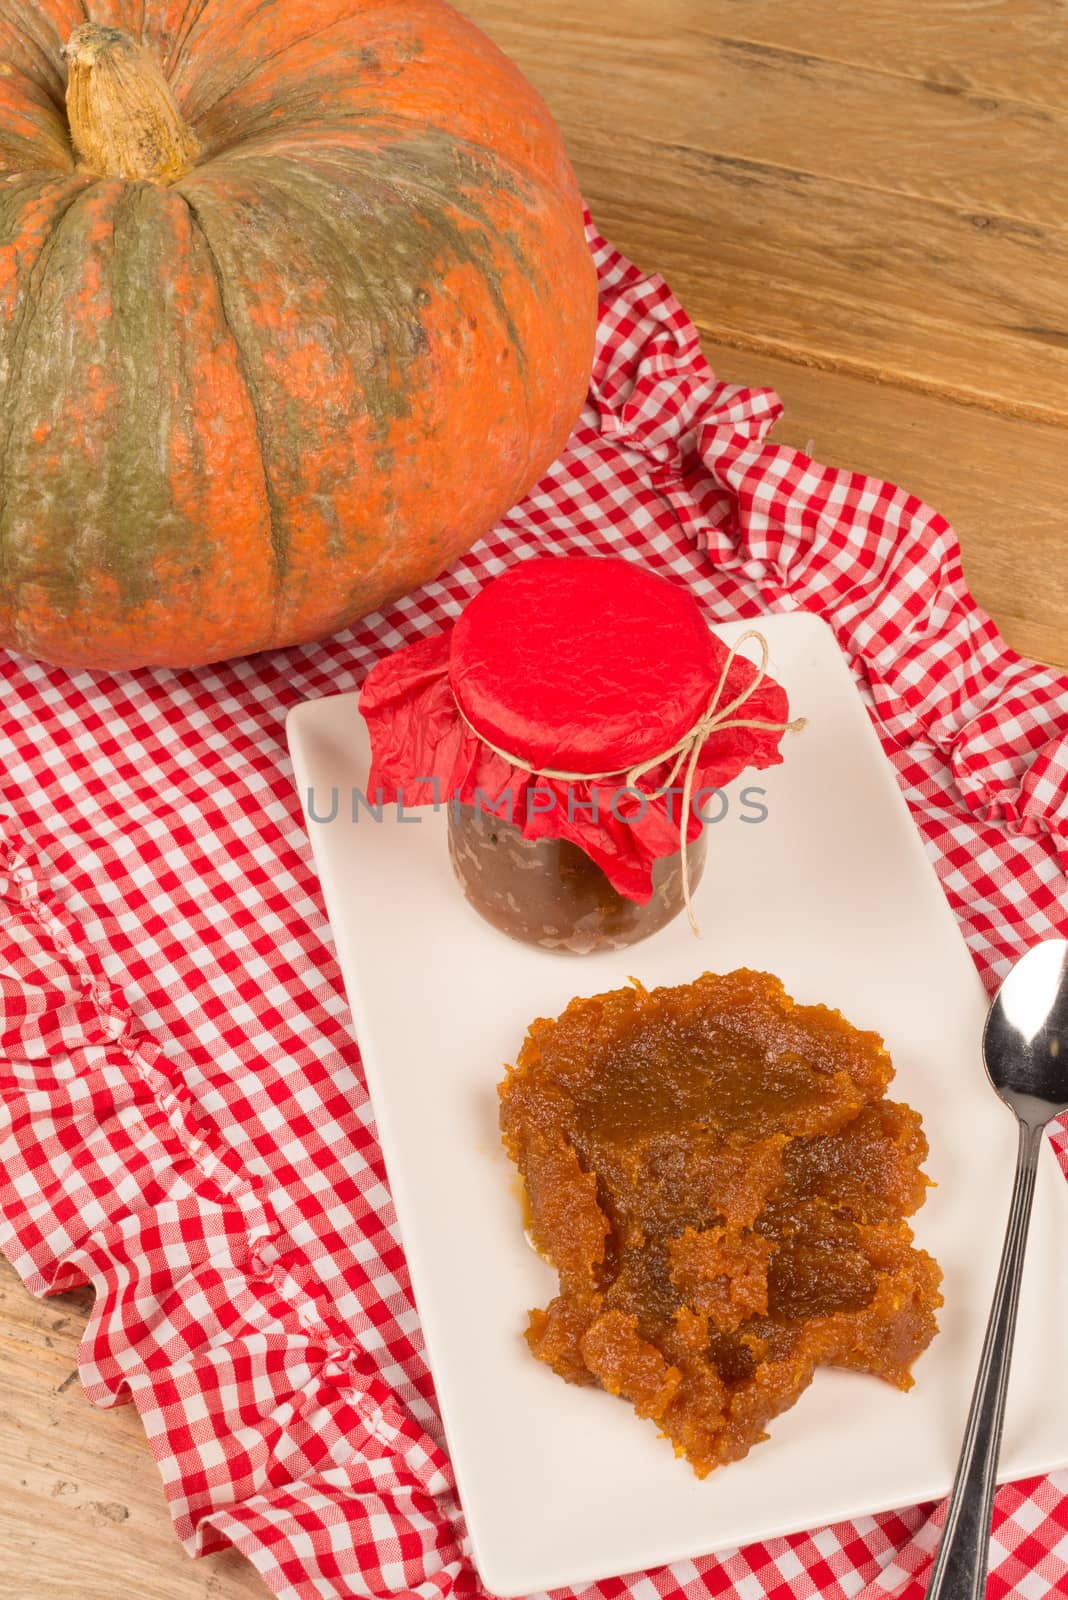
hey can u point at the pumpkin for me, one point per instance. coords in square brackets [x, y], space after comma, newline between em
[295, 302]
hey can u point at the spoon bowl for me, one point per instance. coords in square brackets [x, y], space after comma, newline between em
[1025, 1042]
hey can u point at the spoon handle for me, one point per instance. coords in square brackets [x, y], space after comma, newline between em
[960, 1571]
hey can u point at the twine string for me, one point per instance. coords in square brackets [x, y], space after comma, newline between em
[684, 754]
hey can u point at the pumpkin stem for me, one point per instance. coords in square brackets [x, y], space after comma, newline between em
[124, 120]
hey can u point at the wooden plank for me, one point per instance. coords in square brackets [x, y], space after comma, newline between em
[768, 207]
[1017, 49]
[82, 1512]
[694, 164]
[787, 262]
[763, 101]
[998, 479]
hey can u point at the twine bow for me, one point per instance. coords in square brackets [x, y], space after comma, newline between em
[684, 754]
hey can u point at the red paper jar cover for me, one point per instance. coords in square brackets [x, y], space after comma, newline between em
[584, 665]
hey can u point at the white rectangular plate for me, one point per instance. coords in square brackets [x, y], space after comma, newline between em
[833, 892]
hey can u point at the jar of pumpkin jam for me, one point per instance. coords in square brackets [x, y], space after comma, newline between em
[550, 893]
[573, 723]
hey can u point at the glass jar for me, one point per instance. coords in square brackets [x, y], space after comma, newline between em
[548, 892]
[566, 684]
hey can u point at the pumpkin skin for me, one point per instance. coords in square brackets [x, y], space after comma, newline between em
[242, 409]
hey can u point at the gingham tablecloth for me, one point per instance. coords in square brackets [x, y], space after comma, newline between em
[184, 1123]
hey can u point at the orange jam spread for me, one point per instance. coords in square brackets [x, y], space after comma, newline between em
[720, 1183]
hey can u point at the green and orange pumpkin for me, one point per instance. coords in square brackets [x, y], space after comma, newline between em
[295, 301]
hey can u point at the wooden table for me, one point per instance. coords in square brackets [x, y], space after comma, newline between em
[862, 205]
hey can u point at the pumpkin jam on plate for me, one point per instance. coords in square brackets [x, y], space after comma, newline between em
[722, 1186]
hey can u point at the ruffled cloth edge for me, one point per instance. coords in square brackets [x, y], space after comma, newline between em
[105, 1168]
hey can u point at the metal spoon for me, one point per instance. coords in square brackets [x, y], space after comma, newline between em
[1025, 1048]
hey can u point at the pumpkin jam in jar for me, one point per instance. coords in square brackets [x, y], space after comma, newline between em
[722, 1185]
[548, 892]
[573, 724]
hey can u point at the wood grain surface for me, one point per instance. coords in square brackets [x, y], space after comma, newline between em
[865, 204]
[862, 204]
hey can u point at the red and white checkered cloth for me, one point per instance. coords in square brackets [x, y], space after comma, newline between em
[183, 1120]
